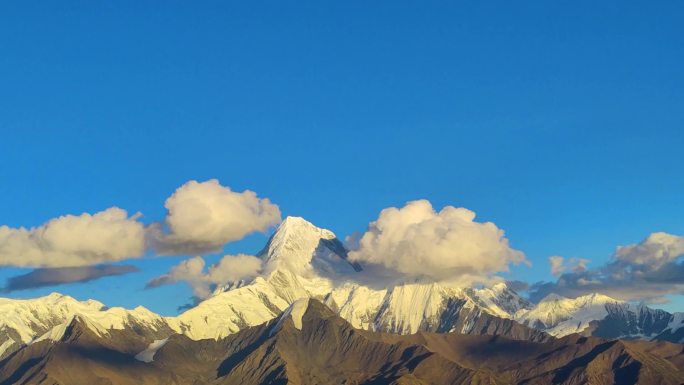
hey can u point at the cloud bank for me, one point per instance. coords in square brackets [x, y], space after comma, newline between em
[417, 241]
[203, 217]
[230, 268]
[63, 275]
[646, 271]
[74, 240]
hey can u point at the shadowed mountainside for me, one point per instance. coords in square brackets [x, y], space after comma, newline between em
[315, 346]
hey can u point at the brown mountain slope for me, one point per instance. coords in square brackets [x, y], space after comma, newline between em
[322, 348]
[326, 351]
[80, 356]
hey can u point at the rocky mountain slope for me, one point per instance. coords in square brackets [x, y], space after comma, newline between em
[310, 344]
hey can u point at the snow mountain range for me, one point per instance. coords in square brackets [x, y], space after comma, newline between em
[304, 261]
[309, 344]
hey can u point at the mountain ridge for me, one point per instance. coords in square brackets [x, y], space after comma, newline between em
[302, 261]
[313, 345]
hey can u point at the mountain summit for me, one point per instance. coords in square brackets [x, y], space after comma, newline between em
[303, 249]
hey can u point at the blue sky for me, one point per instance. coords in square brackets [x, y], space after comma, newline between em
[562, 122]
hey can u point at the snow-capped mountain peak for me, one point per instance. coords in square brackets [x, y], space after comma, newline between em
[304, 249]
[500, 300]
[561, 316]
[24, 317]
[553, 297]
[24, 321]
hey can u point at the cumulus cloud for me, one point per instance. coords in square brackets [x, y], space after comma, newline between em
[74, 240]
[204, 216]
[230, 268]
[63, 275]
[417, 241]
[655, 251]
[560, 265]
[646, 271]
[201, 218]
[557, 266]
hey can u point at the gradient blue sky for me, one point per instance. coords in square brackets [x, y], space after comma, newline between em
[562, 122]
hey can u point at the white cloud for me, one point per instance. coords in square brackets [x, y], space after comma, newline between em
[415, 241]
[557, 266]
[202, 217]
[233, 268]
[560, 265]
[648, 271]
[655, 251]
[74, 240]
[230, 268]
